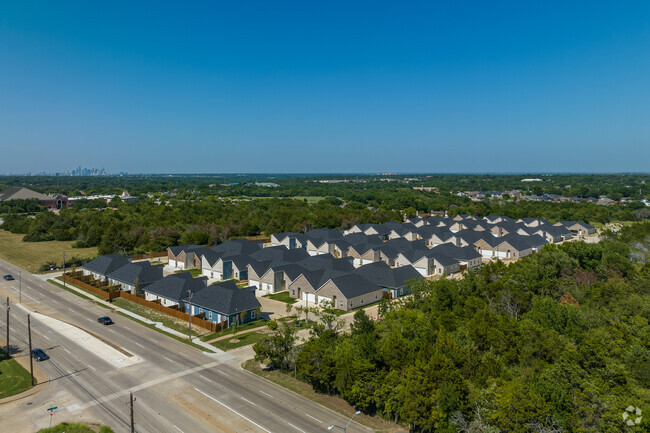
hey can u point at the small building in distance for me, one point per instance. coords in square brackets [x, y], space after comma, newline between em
[49, 201]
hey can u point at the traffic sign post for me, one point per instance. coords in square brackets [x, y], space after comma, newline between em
[51, 409]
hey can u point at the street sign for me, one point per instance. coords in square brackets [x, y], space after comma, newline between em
[52, 408]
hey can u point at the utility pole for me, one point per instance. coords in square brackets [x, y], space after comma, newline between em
[132, 423]
[190, 313]
[63, 275]
[31, 361]
[20, 287]
[8, 327]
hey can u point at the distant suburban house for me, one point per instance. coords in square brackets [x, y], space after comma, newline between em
[184, 256]
[49, 201]
[173, 290]
[225, 302]
[392, 280]
[578, 228]
[349, 291]
[133, 277]
[104, 265]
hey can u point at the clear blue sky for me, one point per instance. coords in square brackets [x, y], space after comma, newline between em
[273, 86]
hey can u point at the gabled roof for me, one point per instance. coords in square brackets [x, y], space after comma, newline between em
[143, 272]
[20, 193]
[106, 264]
[568, 224]
[176, 286]
[226, 298]
[187, 248]
[459, 253]
[385, 276]
[238, 246]
[353, 285]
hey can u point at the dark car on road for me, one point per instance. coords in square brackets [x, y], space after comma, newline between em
[40, 355]
[8, 277]
[105, 320]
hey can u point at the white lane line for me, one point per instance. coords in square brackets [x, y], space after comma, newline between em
[247, 400]
[315, 419]
[221, 372]
[138, 344]
[178, 429]
[233, 410]
[296, 427]
[54, 300]
[94, 369]
[266, 393]
[67, 351]
[168, 359]
[46, 337]
[204, 378]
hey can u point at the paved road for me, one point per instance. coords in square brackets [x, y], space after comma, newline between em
[177, 388]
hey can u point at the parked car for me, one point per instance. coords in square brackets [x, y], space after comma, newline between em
[105, 320]
[40, 355]
[8, 277]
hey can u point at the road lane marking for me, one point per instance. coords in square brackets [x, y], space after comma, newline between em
[94, 369]
[149, 384]
[138, 344]
[54, 300]
[315, 419]
[204, 378]
[233, 410]
[178, 429]
[296, 427]
[221, 372]
[48, 338]
[168, 359]
[247, 400]
[266, 393]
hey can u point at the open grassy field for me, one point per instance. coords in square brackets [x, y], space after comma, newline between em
[14, 379]
[31, 255]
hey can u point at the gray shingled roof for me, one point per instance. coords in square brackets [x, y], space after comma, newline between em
[106, 264]
[385, 276]
[176, 286]
[226, 298]
[141, 271]
[353, 285]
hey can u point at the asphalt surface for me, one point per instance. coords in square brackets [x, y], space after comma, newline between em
[177, 388]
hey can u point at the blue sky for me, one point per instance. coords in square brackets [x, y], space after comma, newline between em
[272, 86]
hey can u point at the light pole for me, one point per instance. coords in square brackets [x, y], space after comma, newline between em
[345, 429]
[8, 308]
[20, 286]
[63, 274]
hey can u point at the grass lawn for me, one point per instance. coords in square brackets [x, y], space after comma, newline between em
[241, 328]
[282, 297]
[334, 403]
[175, 337]
[244, 340]
[157, 316]
[91, 296]
[194, 272]
[14, 379]
[65, 427]
[35, 254]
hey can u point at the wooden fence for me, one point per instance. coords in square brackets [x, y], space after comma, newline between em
[110, 295]
[197, 321]
[148, 256]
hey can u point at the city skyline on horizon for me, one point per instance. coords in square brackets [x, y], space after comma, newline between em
[326, 89]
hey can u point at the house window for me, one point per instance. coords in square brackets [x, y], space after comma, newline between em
[253, 313]
[341, 304]
[362, 300]
[210, 315]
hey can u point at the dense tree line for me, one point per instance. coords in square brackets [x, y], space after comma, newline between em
[147, 226]
[558, 341]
